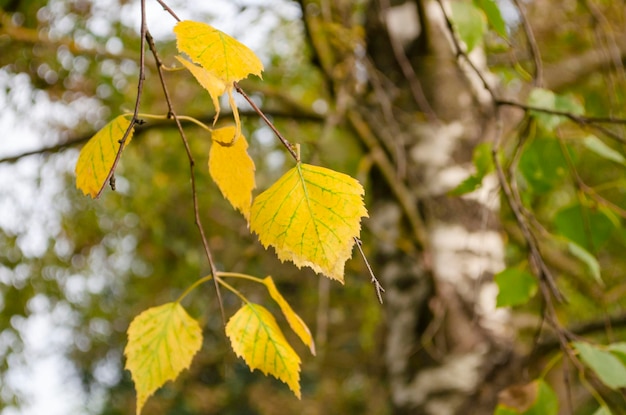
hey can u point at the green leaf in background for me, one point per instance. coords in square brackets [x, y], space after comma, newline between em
[588, 259]
[589, 228]
[598, 146]
[619, 351]
[609, 368]
[494, 17]
[535, 398]
[619, 348]
[543, 165]
[469, 22]
[482, 159]
[484, 165]
[467, 186]
[544, 98]
[515, 287]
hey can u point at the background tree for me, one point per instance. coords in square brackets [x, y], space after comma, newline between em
[398, 94]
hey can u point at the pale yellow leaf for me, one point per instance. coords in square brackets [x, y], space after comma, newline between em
[294, 320]
[256, 337]
[215, 86]
[162, 341]
[217, 52]
[232, 169]
[311, 216]
[96, 158]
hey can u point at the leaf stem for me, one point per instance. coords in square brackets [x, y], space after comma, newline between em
[180, 117]
[232, 289]
[193, 287]
[283, 140]
[242, 276]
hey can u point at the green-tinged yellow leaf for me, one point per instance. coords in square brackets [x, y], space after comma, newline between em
[294, 320]
[161, 343]
[311, 216]
[98, 155]
[215, 51]
[232, 169]
[256, 337]
[215, 86]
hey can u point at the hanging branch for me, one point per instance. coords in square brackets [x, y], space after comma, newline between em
[142, 55]
[194, 193]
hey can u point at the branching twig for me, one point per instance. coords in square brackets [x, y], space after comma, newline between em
[532, 43]
[194, 193]
[168, 9]
[133, 121]
[379, 288]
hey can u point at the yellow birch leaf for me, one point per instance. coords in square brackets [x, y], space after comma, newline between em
[96, 158]
[215, 86]
[162, 341]
[256, 337]
[217, 52]
[294, 320]
[311, 216]
[232, 169]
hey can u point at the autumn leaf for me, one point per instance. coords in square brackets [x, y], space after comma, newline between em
[215, 86]
[311, 216]
[232, 169]
[161, 343]
[223, 57]
[256, 337]
[294, 320]
[97, 156]
[217, 52]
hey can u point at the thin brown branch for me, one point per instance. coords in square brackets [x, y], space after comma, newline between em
[160, 124]
[133, 121]
[377, 286]
[461, 53]
[282, 139]
[194, 193]
[582, 120]
[584, 329]
[168, 9]
[514, 202]
[407, 70]
[532, 44]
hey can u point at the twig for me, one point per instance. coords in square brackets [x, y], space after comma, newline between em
[133, 121]
[514, 201]
[282, 139]
[461, 53]
[194, 193]
[379, 288]
[408, 71]
[580, 119]
[532, 43]
[168, 9]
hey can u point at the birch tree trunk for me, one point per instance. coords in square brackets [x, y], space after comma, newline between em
[420, 117]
